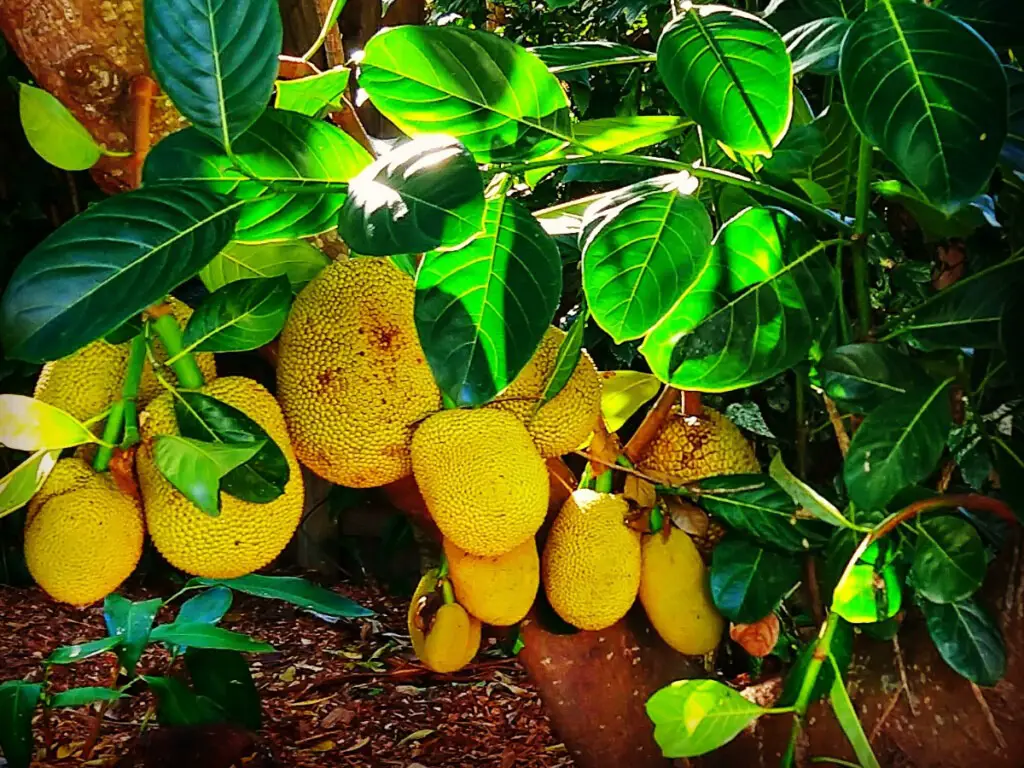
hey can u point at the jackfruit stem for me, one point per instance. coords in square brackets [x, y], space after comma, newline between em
[111, 433]
[130, 390]
[447, 592]
[185, 367]
[603, 482]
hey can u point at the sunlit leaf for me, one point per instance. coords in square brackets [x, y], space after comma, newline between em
[240, 316]
[299, 261]
[314, 95]
[293, 590]
[694, 717]
[588, 54]
[196, 467]
[27, 424]
[623, 393]
[53, 132]
[19, 485]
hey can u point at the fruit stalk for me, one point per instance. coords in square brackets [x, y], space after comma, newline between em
[130, 390]
[184, 363]
[111, 433]
[822, 648]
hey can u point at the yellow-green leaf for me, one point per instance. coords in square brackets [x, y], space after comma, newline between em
[27, 424]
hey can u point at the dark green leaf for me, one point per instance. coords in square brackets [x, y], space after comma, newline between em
[18, 700]
[208, 607]
[569, 57]
[568, 355]
[299, 261]
[224, 677]
[315, 95]
[730, 72]
[307, 162]
[967, 639]
[425, 194]
[79, 697]
[217, 61]
[197, 634]
[862, 377]
[998, 21]
[785, 15]
[293, 590]
[747, 581]
[1013, 149]
[53, 132]
[949, 562]
[694, 717]
[481, 310]
[834, 168]
[814, 46]
[936, 224]
[841, 648]
[242, 315]
[131, 622]
[106, 265]
[495, 97]
[180, 706]
[928, 92]
[796, 153]
[195, 467]
[72, 654]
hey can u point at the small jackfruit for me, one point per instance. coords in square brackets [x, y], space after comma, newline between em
[691, 448]
[484, 483]
[562, 424]
[591, 561]
[352, 378]
[675, 592]
[81, 544]
[444, 636]
[497, 590]
[245, 535]
[67, 475]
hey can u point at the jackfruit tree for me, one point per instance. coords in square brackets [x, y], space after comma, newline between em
[676, 360]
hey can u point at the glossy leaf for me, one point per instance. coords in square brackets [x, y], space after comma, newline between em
[796, 153]
[196, 467]
[898, 445]
[197, 634]
[765, 297]
[730, 72]
[834, 169]
[1013, 149]
[315, 95]
[623, 393]
[297, 260]
[106, 265]
[862, 377]
[622, 135]
[803, 494]
[80, 697]
[208, 607]
[425, 194]
[131, 622]
[18, 701]
[295, 169]
[642, 246]
[949, 561]
[224, 677]
[498, 99]
[588, 54]
[998, 21]
[53, 132]
[242, 315]
[19, 485]
[748, 581]
[814, 46]
[217, 61]
[694, 717]
[72, 654]
[568, 356]
[27, 424]
[930, 93]
[482, 309]
[180, 706]
[967, 638]
[293, 590]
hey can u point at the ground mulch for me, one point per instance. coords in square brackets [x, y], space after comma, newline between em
[349, 693]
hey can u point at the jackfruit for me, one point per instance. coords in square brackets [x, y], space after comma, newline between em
[444, 636]
[484, 482]
[675, 592]
[88, 381]
[67, 475]
[245, 536]
[591, 561]
[562, 424]
[691, 448]
[497, 590]
[352, 378]
[82, 543]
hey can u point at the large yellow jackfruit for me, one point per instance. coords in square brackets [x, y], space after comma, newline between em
[497, 590]
[88, 381]
[591, 561]
[445, 637]
[484, 483]
[562, 424]
[245, 536]
[67, 475]
[675, 592]
[80, 544]
[691, 448]
[352, 378]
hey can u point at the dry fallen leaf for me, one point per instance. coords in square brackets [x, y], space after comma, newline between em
[338, 715]
[358, 745]
[416, 736]
[757, 639]
[287, 676]
[323, 746]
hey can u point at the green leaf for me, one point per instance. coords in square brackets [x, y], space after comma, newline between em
[862, 377]
[196, 467]
[217, 61]
[935, 223]
[72, 654]
[568, 356]
[297, 260]
[766, 295]
[27, 424]
[967, 639]
[425, 194]
[106, 265]
[998, 21]
[315, 95]
[622, 135]
[180, 706]
[694, 717]
[498, 99]
[130, 622]
[197, 634]
[242, 315]
[757, 506]
[18, 701]
[834, 169]
[796, 153]
[849, 720]
[643, 246]
[224, 677]
[1013, 149]
[80, 697]
[949, 562]
[930, 93]
[481, 310]
[899, 444]
[208, 607]
[623, 393]
[570, 57]
[293, 590]
[747, 581]
[786, 15]
[53, 132]
[730, 72]
[868, 593]
[814, 46]
[305, 163]
[841, 649]
[259, 480]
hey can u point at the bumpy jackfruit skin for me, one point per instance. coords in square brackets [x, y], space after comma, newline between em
[591, 562]
[88, 381]
[484, 483]
[352, 378]
[245, 536]
[497, 590]
[675, 592]
[564, 422]
[67, 475]
[691, 448]
[452, 640]
[80, 545]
